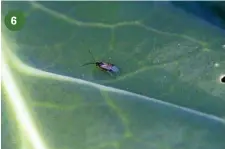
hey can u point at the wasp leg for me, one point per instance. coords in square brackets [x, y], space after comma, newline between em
[111, 74]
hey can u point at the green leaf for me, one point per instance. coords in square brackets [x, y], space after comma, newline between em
[166, 96]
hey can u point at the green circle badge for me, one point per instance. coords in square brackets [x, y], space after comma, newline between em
[15, 20]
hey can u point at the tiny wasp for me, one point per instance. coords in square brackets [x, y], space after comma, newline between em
[105, 66]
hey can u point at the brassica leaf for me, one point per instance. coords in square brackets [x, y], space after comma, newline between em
[166, 96]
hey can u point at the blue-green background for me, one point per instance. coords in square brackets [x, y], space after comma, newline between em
[163, 53]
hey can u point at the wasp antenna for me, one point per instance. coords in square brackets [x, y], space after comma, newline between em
[88, 63]
[92, 55]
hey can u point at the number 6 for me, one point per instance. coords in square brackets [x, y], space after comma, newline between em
[13, 21]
